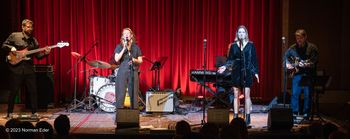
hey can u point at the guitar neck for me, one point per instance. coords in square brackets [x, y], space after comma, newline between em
[39, 50]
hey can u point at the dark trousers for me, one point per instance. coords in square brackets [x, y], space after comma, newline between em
[121, 83]
[16, 82]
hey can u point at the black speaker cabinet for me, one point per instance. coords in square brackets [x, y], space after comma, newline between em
[280, 119]
[127, 118]
[45, 86]
[220, 117]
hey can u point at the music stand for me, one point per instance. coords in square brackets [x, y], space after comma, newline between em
[320, 84]
[156, 66]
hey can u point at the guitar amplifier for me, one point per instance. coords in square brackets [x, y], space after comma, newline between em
[161, 101]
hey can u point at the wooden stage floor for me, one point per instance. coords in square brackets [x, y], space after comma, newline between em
[103, 122]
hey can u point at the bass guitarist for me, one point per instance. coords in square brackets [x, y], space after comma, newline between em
[301, 58]
[22, 73]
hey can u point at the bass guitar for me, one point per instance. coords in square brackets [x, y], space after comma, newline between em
[17, 56]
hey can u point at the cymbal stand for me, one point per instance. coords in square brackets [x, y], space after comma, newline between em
[75, 103]
[90, 99]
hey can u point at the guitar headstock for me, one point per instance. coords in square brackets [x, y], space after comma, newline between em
[62, 44]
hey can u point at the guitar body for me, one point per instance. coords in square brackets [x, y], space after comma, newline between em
[127, 100]
[292, 72]
[295, 62]
[15, 57]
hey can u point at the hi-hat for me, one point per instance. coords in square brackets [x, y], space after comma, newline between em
[99, 64]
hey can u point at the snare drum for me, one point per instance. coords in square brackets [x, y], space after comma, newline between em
[96, 82]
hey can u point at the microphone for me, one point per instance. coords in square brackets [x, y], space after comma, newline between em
[283, 41]
[205, 42]
[125, 41]
[240, 41]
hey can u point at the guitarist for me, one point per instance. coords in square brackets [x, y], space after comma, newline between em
[302, 58]
[23, 72]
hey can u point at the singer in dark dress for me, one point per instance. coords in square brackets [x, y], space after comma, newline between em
[244, 64]
[129, 55]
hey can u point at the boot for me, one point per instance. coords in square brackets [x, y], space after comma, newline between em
[247, 119]
[235, 115]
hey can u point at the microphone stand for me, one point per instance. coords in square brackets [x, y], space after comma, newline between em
[284, 73]
[131, 81]
[204, 78]
[243, 79]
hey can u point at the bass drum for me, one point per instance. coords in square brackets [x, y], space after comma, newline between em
[96, 82]
[106, 98]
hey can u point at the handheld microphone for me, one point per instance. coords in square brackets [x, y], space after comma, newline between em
[125, 41]
[205, 42]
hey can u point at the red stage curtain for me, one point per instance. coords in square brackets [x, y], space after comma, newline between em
[172, 28]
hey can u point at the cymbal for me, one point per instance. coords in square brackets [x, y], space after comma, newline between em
[75, 54]
[99, 64]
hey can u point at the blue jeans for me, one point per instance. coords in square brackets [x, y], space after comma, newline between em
[296, 91]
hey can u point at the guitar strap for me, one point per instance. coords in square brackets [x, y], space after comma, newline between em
[30, 42]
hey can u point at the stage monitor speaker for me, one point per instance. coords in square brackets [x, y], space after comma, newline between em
[220, 117]
[162, 101]
[127, 118]
[45, 86]
[280, 119]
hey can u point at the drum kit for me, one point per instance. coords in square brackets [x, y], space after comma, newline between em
[102, 89]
